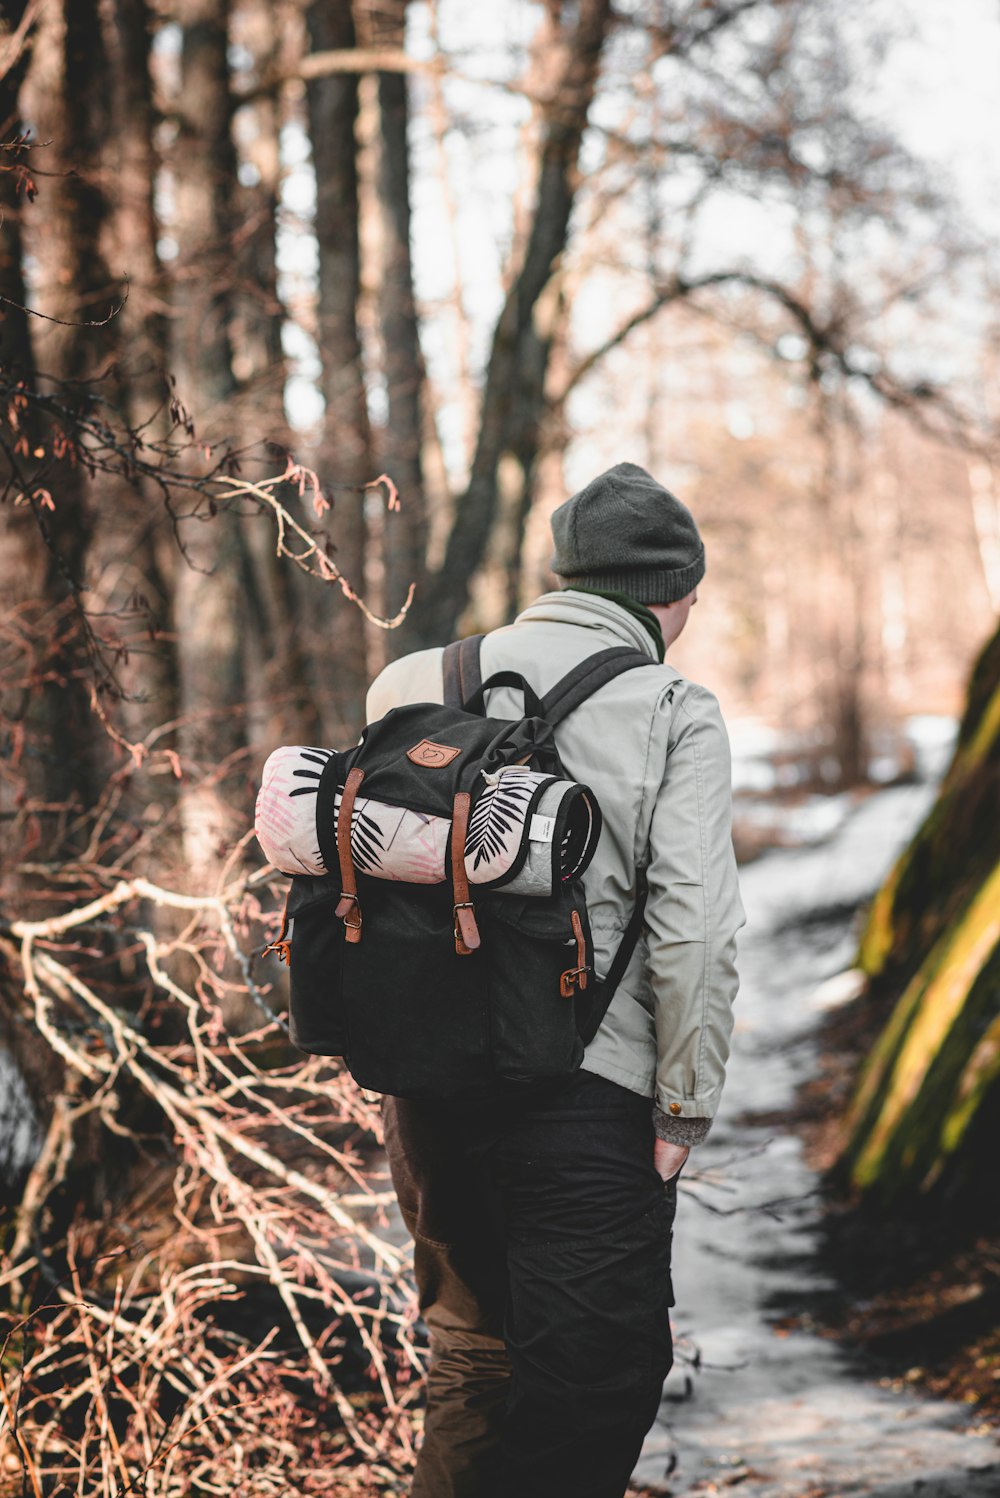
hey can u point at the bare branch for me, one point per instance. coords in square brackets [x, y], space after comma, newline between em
[918, 398]
[257, 1167]
[67, 322]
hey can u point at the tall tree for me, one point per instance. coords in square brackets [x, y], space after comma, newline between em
[69, 227]
[209, 593]
[135, 161]
[513, 396]
[401, 439]
[346, 446]
[22, 555]
[281, 705]
[54, 644]
[136, 546]
[15, 342]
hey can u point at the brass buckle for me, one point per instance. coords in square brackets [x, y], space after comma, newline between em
[354, 909]
[461, 905]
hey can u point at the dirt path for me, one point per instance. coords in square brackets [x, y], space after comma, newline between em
[750, 1406]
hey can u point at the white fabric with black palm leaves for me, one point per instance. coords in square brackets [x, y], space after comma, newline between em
[527, 831]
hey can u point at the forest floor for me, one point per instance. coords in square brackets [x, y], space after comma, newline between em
[796, 1376]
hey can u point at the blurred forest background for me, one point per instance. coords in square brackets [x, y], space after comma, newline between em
[311, 315]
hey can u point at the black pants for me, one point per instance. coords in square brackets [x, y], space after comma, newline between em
[542, 1255]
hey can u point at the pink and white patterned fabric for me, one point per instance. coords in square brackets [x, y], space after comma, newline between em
[514, 819]
[390, 842]
[284, 818]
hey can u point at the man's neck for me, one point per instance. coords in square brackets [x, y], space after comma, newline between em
[638, 611]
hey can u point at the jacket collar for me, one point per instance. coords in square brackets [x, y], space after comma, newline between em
[587, 611]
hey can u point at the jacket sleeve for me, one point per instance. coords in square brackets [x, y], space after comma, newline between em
[693, 913]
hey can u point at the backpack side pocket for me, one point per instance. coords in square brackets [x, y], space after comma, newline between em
[540, 966]
[317, 1021]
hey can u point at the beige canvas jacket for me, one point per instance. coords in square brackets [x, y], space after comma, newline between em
[653, 748]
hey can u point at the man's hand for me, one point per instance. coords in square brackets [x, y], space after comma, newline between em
[668, 1158]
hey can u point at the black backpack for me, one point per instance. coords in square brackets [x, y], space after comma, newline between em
[442, 990]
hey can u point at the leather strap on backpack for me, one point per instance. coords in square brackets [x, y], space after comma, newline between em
[348, 908]
[466, 929]
[281, 946]
[576, 977]
[462, 675]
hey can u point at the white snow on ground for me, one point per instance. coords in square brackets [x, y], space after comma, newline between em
[766, 761]
[785, 1414]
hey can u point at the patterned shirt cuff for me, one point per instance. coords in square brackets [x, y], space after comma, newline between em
[679, 1130]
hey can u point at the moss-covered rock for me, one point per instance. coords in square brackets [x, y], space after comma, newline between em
[954, 851]
[932, 943]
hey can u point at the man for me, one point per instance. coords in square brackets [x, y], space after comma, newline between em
[542, 1225]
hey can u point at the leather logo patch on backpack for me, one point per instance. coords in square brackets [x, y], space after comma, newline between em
[432, 756]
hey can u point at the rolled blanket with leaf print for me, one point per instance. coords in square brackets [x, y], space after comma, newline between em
[527, 833]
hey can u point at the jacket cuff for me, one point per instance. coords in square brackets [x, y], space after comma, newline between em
[679, 1130]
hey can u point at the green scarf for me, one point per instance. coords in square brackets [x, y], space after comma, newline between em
[638, 611]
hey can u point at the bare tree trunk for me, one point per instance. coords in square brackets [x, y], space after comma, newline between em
[258, 356]
[401, 440]
[26, 715]
[548, 492]
[204, 168]
[209, 597]
[142, 321]
[463, 392]
[513, 401]
[67, 754]
[142, 555]
[346, 450]
[73, 203]
[841, 598]
[22, 554]
[892, 614]
[15, 342]
[69, 223]
[530, 552]
[280, 707]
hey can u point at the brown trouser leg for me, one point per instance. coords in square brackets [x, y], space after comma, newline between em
[461, 1282]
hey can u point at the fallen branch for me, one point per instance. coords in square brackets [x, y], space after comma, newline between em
[265, 1192]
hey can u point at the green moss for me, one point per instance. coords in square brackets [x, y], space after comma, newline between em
[984, 739]
[866, 1103]
[982, 687]
[980, 1074]
[879, 934]
[916, 1038]
[953, 851]
[932, 938]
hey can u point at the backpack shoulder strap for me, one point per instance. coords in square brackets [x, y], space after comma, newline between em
[588, 677]
[462, 674]
[629, 941]
[620, 961]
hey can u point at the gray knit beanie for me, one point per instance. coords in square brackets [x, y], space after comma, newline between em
[625, 533]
